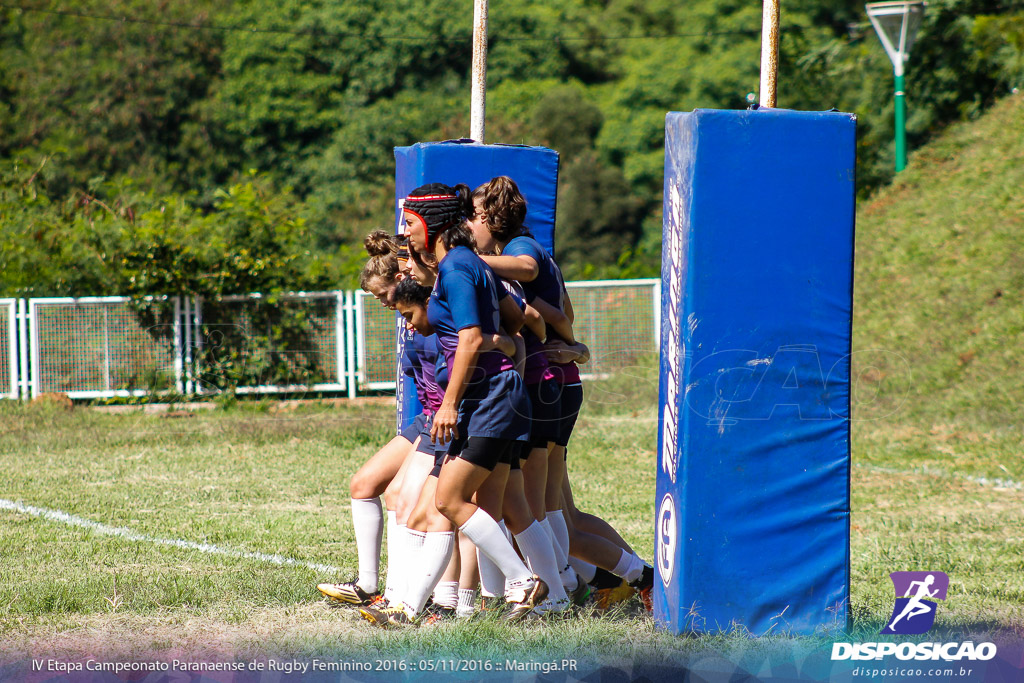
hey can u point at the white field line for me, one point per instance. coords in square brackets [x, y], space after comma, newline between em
[128, 534]
[930, 472]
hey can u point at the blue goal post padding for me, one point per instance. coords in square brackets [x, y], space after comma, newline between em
[535, 170]
[753, 492]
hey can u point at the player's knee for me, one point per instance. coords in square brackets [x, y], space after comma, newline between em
[362, 485]
[447, 503]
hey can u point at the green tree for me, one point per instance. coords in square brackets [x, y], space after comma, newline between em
[104, 97]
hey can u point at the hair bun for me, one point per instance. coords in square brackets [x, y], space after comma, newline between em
[380, 243]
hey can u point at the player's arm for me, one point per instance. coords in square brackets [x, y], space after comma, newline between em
[467, 353]
[535, 321]
[499, 342]
[558, 320]
[567, 304]
[512, 317]
[520, 355]
[521, 267]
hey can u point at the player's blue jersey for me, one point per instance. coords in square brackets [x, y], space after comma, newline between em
[549, 286]
[466, 295]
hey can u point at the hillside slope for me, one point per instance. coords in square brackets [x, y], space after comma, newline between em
[939, 312]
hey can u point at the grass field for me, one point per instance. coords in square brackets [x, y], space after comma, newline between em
[253, 480]
[937, 476]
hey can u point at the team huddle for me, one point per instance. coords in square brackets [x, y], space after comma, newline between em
[476, 489]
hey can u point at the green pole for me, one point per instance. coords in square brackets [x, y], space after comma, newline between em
[901, 125]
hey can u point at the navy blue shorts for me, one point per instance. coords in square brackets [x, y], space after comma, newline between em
[413, 430]
[496, 407]
[487, 452]
[435, 450]
[545, 401]
[571, 402]
[424, 446]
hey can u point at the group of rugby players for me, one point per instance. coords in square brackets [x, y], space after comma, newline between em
[476, 490]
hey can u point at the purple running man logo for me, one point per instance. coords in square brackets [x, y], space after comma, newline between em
[914, 611]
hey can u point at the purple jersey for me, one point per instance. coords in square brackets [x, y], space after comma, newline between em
[428, 351]
[466, 295]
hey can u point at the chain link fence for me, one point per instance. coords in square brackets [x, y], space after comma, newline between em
[98, 346]
[616, 319]
[8, 348]
[338, 342]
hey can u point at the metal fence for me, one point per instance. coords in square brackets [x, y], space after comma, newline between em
[617, 319]
[293, 342]
[8, 348]
[97, 346]
[338, 342]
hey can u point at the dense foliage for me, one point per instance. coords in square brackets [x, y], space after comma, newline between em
[219, 147]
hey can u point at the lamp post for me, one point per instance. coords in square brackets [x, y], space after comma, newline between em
[896, 24]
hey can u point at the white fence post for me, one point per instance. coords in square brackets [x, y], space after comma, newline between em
[195, 350]
[340, 357]
[189, 386]
[24, 376]
[350, 341]
[106, 349]
[33, 335]
[179, 351]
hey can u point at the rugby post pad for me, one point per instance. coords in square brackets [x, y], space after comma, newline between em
[753, 497]
[535, 170]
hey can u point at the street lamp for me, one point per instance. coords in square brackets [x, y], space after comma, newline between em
[896, 24]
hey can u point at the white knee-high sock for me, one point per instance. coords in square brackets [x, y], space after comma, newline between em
[396, 544]
[492, 581]
[565, 572]
[430, 562]
[413, 546]
[561, 534]
[489, 539]
[536, 546]
[630, 566]
[368, 520]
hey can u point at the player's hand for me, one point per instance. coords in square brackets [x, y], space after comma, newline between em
[446, 424]
[560, 352]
